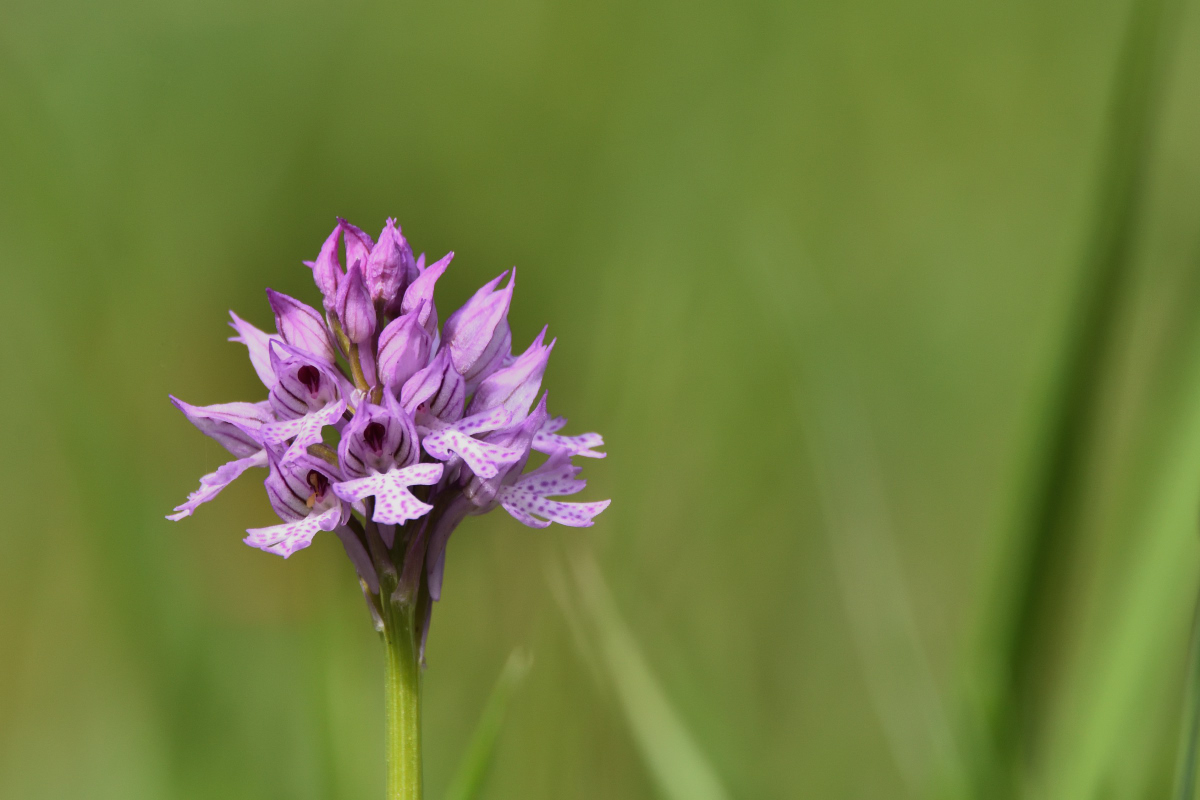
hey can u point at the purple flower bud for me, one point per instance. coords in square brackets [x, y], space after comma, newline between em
[301, 326]
[355, 310]
[438, 390]
[421, 291]
[358, 243]
[477, 334]
[391, 267]
[516, 386]
[327, 271]
[403, 350]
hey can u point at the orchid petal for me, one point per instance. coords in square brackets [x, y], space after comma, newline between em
[404, 348]
[515, 386]
[580, 445]
[235, 426]
[483, 459]
[421, 291]
[301, 326]
[485, 421]
[306, 429]
[327, 271]
[355, 310]
[258, 343]
[212, 483]
[358, 243]
[285, 539]
[478, 333]
[394, 503]
[438, 387]
[522, 504]
[555, 477]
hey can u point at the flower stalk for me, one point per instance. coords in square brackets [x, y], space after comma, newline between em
[403, 701]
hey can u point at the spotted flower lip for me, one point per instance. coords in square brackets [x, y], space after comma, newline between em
[386, 430]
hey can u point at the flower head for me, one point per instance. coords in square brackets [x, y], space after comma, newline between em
[431, 426]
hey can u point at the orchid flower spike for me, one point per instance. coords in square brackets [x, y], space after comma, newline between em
[379, 426]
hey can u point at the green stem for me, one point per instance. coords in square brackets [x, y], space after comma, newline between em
[356, 370]
[403, 704]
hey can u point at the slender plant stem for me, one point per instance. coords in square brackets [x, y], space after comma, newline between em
[356, 370]
[403, 703]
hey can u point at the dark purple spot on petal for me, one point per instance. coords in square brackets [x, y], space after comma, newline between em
[373, 436]
[310, 377]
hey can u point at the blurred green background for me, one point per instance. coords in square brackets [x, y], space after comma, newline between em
[820, 273]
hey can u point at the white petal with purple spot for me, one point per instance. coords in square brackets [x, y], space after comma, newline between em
[285, 539]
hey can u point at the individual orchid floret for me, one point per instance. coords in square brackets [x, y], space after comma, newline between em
[378, 453]
[377, 439]
[236, 427]
[438, 390]
[391, 267]
[478, 334]
[529, 495]
[302, 495]
[516, 386]
[524, 495]
[327, 270]
[302, 326]
[404, 348]
[302, 383]
[355, 311]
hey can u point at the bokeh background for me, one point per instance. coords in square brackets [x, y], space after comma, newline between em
[887, 311]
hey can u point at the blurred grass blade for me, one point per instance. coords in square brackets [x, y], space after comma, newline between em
[472, 770]
[674, 759]
[1031, 632]
[873, 587]
[877, 599]
[1185, 784]
[1117, 686]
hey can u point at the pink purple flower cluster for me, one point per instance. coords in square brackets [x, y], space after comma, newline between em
[431, 425]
